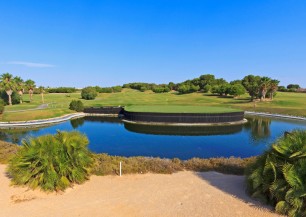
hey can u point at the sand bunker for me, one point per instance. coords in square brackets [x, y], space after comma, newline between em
[180, 194]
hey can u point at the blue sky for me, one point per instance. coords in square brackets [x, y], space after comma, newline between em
[105, 43]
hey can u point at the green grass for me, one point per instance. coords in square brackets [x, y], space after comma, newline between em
[179, 109]
[284, 103]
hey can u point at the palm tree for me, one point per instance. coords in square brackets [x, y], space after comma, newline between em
[278, 176]
[264, 86]
[41, 91]
[19, 87]
[52, 162]
[30, 84]
[273, 86]
[8, 84]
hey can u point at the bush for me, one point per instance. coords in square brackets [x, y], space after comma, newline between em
[52, 162]
[1, 106]
[279, 175]
[76, 105]
[89, 93]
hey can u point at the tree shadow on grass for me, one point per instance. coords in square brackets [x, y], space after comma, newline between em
[233, 185]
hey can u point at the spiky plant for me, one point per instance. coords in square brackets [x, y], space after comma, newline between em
[279, 175]
[52, 162]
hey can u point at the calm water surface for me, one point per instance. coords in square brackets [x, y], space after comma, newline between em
[110, 135]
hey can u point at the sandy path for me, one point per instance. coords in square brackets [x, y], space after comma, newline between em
[181, 194]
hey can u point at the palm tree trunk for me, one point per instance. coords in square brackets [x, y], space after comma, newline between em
[42, 98]
[31, 95]
[9, 94]
[20, 96]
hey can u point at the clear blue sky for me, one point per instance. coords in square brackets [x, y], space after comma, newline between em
[80, 43]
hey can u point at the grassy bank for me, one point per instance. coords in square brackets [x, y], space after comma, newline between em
[284, 103]
[109, 165]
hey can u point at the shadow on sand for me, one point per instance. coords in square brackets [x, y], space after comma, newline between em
[233, 185]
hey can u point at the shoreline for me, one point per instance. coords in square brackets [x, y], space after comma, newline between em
[50, 121]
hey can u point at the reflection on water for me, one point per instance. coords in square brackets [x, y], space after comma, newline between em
[112, 136]
[183, 130]
[75, 123]
[15, 135]
[259, 127]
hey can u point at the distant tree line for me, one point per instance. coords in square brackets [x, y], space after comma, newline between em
[114, 89]
[291, 88]
[61, 90]
[256, 86]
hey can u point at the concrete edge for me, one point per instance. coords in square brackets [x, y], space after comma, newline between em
[275, 115]
[49, 121]
[185, 124]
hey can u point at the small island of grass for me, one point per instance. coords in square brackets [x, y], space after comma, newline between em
[179, 109]
[179, 114]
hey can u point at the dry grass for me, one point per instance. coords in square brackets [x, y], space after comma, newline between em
[109, 165]
[7, 150]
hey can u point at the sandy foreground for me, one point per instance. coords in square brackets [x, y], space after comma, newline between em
[180, 194]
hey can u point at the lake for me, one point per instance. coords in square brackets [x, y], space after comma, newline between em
[112, 136]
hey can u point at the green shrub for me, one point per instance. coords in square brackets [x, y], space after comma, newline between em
[1, 106]
[76, 105]
[279, 175]
[89, 93]
[52, 162]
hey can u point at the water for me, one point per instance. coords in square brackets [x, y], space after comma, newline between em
[110, 135]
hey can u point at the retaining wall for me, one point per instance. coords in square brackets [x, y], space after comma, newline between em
[183, 117]
[104, 110]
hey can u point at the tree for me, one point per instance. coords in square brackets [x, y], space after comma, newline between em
[89, 93]
[8, 84]
[293, 86]
[207, 79]
[237, 90]
[264, 87]
[251, 84]
[207, 88]
[273, 87]
[171, 85]
[30, 85]
[19, 87]
[41, 91]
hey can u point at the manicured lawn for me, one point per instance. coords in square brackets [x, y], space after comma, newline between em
[179, 109]
[284, 103]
